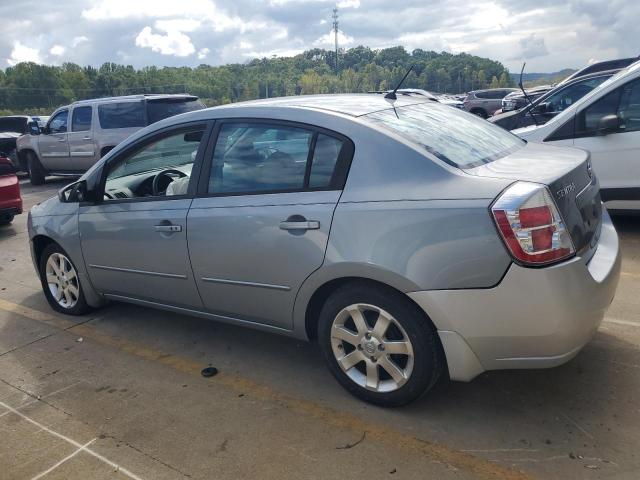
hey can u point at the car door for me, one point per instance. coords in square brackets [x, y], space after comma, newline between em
[615, 152]
[82, 151]
[261, 222]
[54, 145]
[134, 242]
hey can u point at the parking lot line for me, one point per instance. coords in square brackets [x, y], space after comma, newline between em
[72, 442]
[479, 467]
[622, 322]
[65, 459]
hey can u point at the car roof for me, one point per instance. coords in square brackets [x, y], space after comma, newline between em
[354, 105]
[155, 96]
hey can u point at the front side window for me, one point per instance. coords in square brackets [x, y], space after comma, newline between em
[453, 136]
[161, 168]
[252, 158]
[58, 124]
[588, 120]
[563, 99]
[81, 119]
[121, 115]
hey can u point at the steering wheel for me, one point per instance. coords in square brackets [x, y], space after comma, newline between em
[155, 186]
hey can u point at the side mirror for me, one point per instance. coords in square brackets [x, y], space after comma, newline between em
[75, 193]
[34, 128]
[608, 124]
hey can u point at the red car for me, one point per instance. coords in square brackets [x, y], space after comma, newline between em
[10, 200]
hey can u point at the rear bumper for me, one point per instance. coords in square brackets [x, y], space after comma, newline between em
[535, 318]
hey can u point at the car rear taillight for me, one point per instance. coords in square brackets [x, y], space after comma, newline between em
[531, 226]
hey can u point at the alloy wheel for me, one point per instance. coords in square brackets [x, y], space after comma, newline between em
[371, 348]
[62, 280]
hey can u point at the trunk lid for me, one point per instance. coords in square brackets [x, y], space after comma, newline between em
[568, 174]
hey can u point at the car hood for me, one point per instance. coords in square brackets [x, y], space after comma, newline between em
[53, 207]
[4, 135]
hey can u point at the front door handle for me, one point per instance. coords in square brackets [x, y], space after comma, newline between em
[168, 228]
[62, 139]
[300, 225]
[86, 138]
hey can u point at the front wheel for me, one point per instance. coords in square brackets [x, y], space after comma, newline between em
[37, 173]
[379, 345]
[61, 282]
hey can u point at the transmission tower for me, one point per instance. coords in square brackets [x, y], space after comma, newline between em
[335, 33]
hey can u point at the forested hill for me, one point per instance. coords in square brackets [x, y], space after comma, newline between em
[29, 87]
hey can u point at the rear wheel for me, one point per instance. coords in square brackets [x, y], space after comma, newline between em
[6, 219]
[479, 112]
[379, 345]
[61, 282]
[37, 173]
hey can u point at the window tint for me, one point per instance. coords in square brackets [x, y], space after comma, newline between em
[81, 119]
[13, 124]
[259, 158]
[325, 157]
[160, 109]
[451, 135]
[629, 111]
[588, 119]
[566, 97]
[121, 115]
[58, 123]
[133, 176]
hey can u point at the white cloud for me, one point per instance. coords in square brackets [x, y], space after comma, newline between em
[78, 41]
[328, 40]
[245, 45]
[22, 53]
[202, 53]
[173, 43]
[348, 4]
[57, 50]
[179, 25]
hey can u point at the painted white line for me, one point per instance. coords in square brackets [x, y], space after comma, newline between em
[621, 322]
[630, 274]
[68, 457]
[72, 442]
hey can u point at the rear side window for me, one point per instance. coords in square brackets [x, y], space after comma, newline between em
[81, 119]
[453, 136]
[160, 109]
[252, 158]
[121, 115]
[325, 156]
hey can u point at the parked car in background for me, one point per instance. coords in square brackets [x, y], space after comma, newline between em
[552, 103]
[12, 127]
[596, 67]
[78, 135]
[484, 103]
[10, 199]
[467, 251]
[606, 123]
[418, 92]
[516, 100]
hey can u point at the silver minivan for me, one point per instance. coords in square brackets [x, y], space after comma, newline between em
[409, 239]
[76, 136]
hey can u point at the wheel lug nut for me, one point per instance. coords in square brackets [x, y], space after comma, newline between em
[381, 347]
[340, 347]
[359, 347]
[367, 335]
[373, 359]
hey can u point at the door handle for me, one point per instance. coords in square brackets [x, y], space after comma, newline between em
[168, 228]
[62, 139]
[86, 138]
[300, 225]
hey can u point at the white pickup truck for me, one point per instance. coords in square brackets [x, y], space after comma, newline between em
[78, 135]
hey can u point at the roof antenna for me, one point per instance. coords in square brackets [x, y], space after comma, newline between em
[527, 96]
[392, 95]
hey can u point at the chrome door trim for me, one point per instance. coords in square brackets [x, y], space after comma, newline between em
[82, 154]
[246, 284]
[141, 272]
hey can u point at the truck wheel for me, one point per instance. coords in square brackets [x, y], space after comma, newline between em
[36, 172]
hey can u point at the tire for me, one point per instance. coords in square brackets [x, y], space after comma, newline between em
[6, 220]
[37, 173]
[78, 305]
[421, 366]
[479, 112]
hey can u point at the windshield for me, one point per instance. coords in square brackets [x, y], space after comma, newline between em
[160, 109]
[458, 138]
[13, 124]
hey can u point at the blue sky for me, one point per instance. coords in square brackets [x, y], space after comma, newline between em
[549, 35]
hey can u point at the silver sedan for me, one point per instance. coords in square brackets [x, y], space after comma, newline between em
[411, 240]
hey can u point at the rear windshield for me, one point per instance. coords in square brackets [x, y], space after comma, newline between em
[160, 109]
[13, 124]
[121, 115]
[459, 138]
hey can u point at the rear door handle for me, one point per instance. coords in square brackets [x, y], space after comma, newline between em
[86, 138]
[300, 225]
[168, 228]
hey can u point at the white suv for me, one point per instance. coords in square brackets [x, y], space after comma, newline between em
[606, 122]
[78, 135]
